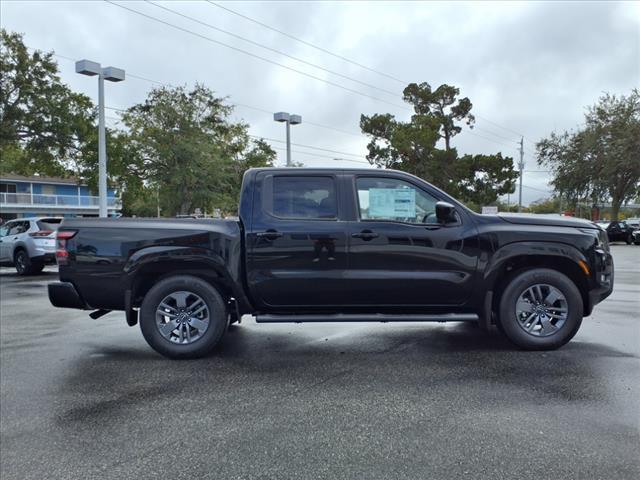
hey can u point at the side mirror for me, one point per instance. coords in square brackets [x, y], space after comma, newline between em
[445, 213]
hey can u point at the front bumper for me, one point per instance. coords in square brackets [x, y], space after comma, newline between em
[65, 295]
[604, 273]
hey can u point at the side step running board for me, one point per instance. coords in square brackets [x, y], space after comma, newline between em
[374, 317]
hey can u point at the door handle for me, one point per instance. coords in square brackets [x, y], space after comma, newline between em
[365, 235]
[269, 234]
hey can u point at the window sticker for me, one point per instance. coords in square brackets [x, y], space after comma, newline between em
[392, 202]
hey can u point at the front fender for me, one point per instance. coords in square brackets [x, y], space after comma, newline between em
[511, 251]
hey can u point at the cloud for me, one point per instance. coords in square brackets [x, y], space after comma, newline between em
[529, 67]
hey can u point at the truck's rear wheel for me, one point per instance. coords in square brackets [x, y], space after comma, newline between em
[183, 317]
[540, 309]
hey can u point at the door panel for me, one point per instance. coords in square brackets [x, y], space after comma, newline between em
[399, 256]
[296, 242]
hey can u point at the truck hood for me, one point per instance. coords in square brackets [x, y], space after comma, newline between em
[550, 220]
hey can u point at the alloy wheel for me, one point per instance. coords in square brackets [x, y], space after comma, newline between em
[541, 310]
[182, 317]
[21, 262]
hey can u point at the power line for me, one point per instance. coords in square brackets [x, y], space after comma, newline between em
[500, 126]
[309, 146]
[536, 189]
[234, 104]
[318, 155]
[308, 43]
[328, 127]
[270, 112]
[288, 35]
[258, 108]
[476, 127]
[279, 52]
[204, 37]
[490, 139]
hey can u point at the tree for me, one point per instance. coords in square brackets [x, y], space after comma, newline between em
[442, 105]
[545, 205]
[601, 161]
[482, 178]
[41, 120]
[186, 148]
[412, 146]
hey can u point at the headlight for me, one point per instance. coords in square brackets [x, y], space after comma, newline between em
[603, 240]
[600, 236]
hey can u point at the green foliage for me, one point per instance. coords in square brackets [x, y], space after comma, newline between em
[547, 205]
[440, 104]
[185, 147]
[42, 122]
[411, 146]
[601, 161]
[179, 148]
[483, 177]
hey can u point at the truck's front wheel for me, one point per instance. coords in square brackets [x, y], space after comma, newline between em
[183, 317]
[540, 309]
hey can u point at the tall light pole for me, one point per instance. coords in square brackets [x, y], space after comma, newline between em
[289, 119]
[521, 165]
[86, 67]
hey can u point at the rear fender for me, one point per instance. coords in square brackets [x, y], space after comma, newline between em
[160, 261]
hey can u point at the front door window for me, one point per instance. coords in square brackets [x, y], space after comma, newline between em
[388, 199]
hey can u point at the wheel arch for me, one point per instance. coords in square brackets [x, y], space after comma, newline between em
[561, 258]
[18, 246]
[149, 266]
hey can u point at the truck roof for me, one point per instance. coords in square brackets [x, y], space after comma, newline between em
[327, 170]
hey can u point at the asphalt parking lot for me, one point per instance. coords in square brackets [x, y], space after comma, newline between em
[84, 398]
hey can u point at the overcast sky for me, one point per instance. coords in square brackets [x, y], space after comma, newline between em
[529, 68]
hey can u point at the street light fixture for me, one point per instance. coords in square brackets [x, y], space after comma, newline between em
[290, 119]
[112, 74]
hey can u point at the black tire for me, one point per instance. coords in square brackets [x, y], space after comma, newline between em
[25, 265]
[36, 266]
[519, 284]
[629, 239]
[218, 317]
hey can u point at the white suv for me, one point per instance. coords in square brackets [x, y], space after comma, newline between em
[29, 243]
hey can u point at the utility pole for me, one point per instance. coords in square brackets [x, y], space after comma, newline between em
[521, 165]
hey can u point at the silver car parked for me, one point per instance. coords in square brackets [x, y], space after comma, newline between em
[29, 243]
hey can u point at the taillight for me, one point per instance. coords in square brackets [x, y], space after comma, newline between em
[41, 233]
[63, 236]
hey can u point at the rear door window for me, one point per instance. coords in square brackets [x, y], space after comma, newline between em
[306, 198]
[18, 228]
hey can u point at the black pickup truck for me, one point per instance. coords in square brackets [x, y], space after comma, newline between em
[320, 245]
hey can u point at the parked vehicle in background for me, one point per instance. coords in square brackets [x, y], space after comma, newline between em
[336, 246]
[620, 231]
[29, 243]
[636, 237]
[633, 223]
